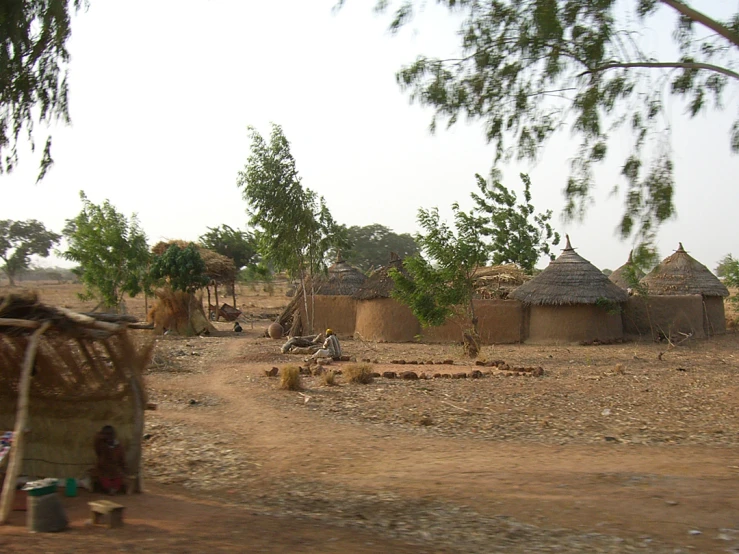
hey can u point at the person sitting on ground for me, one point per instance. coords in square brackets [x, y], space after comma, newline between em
[331, 347]
[237, 327]
[110, 470]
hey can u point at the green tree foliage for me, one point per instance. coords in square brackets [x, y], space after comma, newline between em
[517, 234]
[19, 240]
[531, 67]
[33, 70]
[294, 229]
[111, 251]
[182, 268]
[238, 245]
[440, 284]
[728, 271]
[372, 244]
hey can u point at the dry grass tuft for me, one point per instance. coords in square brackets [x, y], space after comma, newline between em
[329, 378]
[290, 378]
[359, 373]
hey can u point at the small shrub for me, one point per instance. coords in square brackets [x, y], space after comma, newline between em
[329, 378]
[290, 378]
[359, 373]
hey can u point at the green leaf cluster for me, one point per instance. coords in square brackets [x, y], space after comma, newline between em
[19, 240]
[294, 229]
[728, 271]
[371, 246]
[182, 269]
[529, 68]
[33, 72]
[111, 250]
[238, 245]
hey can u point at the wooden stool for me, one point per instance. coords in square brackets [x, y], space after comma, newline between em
[101, 508]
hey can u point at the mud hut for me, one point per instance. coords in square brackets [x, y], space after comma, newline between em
[624, 275]
[571, 301]
[682, 275]
[332, 304]
[64, 375]
[379, 316]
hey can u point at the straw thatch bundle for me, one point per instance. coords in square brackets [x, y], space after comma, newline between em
[86, 372]
[570, 279]
[621, 275]
[498, 281]
[220, 269]
[682, 274]
[180, 312]
[380, 284]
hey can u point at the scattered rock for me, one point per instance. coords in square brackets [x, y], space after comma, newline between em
[409, 375]
[476, 374]
[389, 375]
[272, 372]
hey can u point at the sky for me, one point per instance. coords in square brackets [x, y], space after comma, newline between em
[162, 92]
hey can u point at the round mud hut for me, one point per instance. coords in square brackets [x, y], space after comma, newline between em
[627, 275]
[379, 316]
[333, 305]
[682, 275]
[571, 301]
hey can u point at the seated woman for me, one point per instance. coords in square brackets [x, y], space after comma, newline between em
[110, 470]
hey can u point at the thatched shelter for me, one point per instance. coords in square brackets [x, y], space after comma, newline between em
[572, 301]
[498, 281]
[624, 275]
[220, 269]
[681, 274]
[64, 375]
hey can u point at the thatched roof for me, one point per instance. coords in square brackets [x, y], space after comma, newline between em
[570, 279]
[379, 284]
[498, 281]
[219, 268]
[682, 274]
[87, 373]
[620, 275]
[342, 279]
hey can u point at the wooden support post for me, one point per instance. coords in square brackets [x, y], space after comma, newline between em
[218, 305]
[233, 289]
[207, 288]
[15, 462]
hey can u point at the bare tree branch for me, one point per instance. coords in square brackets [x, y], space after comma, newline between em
[669, 65]
[703, 19]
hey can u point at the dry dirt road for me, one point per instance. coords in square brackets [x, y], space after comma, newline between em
[248, 468]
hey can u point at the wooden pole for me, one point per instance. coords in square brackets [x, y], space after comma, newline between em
[218, 306]
[233, 289]
[207, 288]
[15, 461]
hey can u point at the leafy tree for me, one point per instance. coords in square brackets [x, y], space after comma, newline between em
[111, 251]
[294, 229]
[240, 246]
[531, 67]
[33, 65]
[728, 270]
[182, 268]
[441, 285]
[517, 234]
[19, 240]
[372, 244]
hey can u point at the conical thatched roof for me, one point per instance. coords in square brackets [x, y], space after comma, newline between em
[570, 279]
[682, 274]
[380, 284]
[219, 268]
[342, 279]
[621, 275]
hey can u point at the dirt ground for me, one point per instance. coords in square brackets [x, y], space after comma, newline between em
[622, 448]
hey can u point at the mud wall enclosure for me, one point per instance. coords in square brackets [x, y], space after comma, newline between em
[572, 323]
[669, 315]
[715, 317]
[386, 319]
[330, 312]
[499, 322]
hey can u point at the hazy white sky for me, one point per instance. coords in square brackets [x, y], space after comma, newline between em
[162, 92]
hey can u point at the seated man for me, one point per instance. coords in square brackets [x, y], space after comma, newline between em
[331, 347]
[110, 470]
